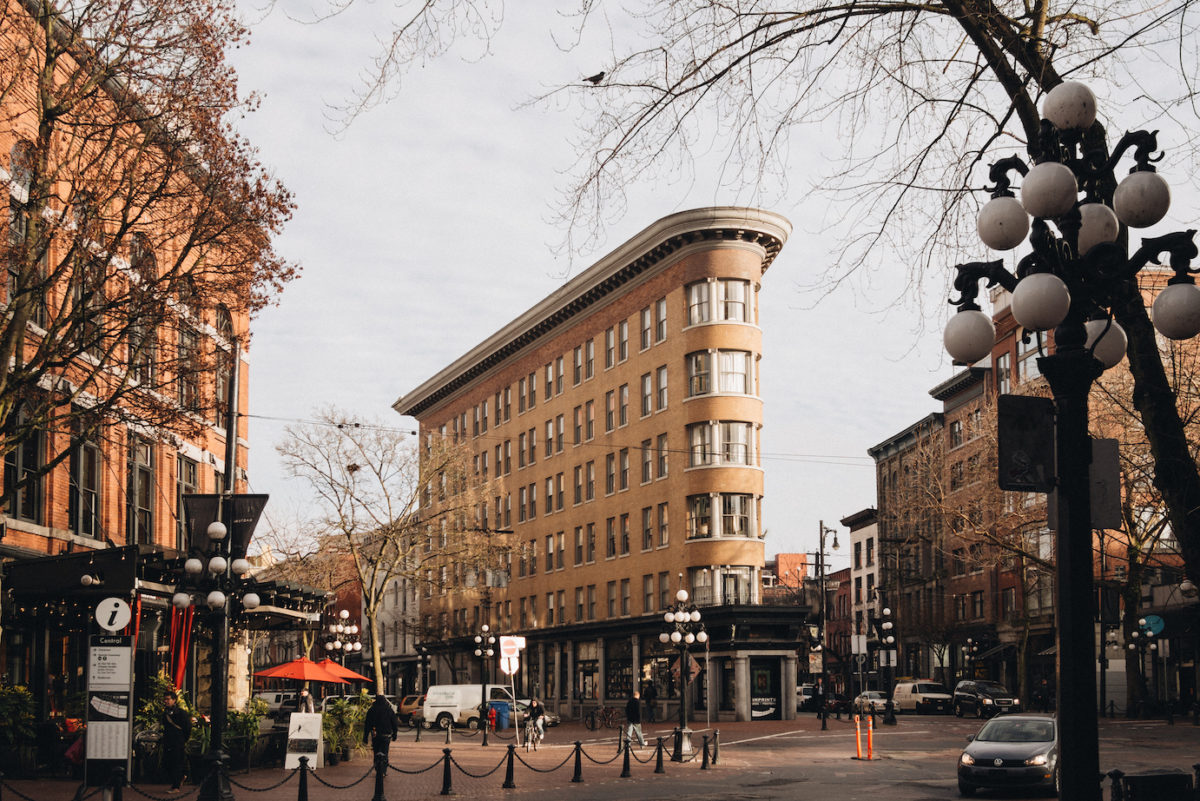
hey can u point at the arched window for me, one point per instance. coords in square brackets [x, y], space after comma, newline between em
[224, 347]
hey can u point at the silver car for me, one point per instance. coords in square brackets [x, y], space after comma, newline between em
[1011, 751]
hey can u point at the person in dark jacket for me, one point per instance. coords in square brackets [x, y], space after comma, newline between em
[381, 725]
[651, 696]
[176, 727]
[633, 715]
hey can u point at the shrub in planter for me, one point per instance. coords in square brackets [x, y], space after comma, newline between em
[16, 728]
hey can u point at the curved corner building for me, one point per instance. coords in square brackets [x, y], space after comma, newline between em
[620, 420]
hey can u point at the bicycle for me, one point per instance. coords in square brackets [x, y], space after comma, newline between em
[605, 716]
[533, 734]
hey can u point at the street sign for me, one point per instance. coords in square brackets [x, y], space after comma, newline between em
[861, 659]
[511, 646]
[1154, 624]
[113, 614]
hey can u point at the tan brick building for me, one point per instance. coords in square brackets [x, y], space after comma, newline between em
[620, 419]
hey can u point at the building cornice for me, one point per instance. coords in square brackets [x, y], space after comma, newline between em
[648, 251]
[958, 382]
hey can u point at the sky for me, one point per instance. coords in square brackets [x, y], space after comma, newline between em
[426, 226]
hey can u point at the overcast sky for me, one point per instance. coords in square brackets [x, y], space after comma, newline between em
[426, 227]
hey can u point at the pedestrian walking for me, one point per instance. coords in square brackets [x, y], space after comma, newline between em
[176, 728]
[633, 715]
[651, 698]
[306, 702]
[380, 727]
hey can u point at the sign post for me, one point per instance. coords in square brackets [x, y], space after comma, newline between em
[109, 739]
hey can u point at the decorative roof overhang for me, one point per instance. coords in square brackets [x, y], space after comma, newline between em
[644, 254]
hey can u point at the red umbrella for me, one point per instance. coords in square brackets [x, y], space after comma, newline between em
[303, 669]
[339, 670]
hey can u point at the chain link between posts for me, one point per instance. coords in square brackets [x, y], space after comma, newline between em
[566, 759]
[280, 783]
[471, 775]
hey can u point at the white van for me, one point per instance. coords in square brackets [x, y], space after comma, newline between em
[276, 698]
[457, 703]
[923, 696]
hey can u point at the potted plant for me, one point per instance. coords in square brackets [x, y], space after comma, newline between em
[16, 727]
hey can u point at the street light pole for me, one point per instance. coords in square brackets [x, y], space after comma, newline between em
[822, 703]
[683, 627]
[1074, 283]
[484, 641]
[889, 645]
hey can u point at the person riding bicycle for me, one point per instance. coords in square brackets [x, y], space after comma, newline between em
[537, 718]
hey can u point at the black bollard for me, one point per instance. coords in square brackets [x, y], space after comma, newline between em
[508, 771]
[1112, 709]
[625, 774]
[677, 749]
[704, 759]
[302, 794]
[716, 746]
[1117, 791]
[578, 777]
[620, 741]
[446, 788]
[448, 728]
[658, 759]
[1170, 714]
[380, 772]
[823, 715]
[483, 724]
[117, 782]
[419, 727]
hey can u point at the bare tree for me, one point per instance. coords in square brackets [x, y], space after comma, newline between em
[402, 509]
[138, 225]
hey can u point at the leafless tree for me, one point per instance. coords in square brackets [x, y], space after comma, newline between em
[401, 509]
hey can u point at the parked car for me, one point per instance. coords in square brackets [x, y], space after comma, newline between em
[367, 698]
[806, 698]
[1009, 752]
[275, 698]
[552, 718]
[870, 701]
[837, 703]
[983, 699]
[923, 697]
[409, 710]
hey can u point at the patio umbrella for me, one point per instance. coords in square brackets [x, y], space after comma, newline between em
[302, 669]
[341, 671]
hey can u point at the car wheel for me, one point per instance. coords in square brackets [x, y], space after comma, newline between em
[473, 724]
[979, 711]
[965, 789]
[1056, 790]
[958, 713]
[444, 720]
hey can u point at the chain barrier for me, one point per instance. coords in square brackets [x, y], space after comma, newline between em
[284, 781]
[595, 761]
[566, 759]
[645, 761]
[355, 783]
[502, 736]
[414, 772]
[465, 732]
[471, 775]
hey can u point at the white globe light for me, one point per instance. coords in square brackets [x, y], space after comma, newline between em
[358, 647]
[1003, 223]
[887, 625]
[340, 629]
[682, 596]
[695, 615]
[1041, 301]
[485, 627]
[337, 645]
[490, 652]
[664, 637]
[1049, 190]
[193, 566]
[669, 617]
[1111, 347]
[328, 646]
[216, 531]
[1142, 199]
[1177, 311]
[240, 567]
[217, 565]
[1097, 223]
[1071, 106]
[251, 600]
[702, 636]
[216, 599]
[676, 637]
[969, 336]
[890, 639]
[886, 611]
[689, 638]
[354, 629]
[181, 600]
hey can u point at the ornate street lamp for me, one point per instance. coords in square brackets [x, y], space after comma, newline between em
[1142, 641]
[484, 641]
[683, 627]
[1069, 284]
[822, 703]
[342, 637]
[889, 647]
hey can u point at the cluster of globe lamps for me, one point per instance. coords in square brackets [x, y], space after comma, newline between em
[681, 617]
[340, 629]
[1050, 191]
[217, 566]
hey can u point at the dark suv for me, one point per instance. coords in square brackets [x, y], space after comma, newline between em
[983, 699]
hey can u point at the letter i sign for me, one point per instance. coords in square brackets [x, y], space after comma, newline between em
[113, 614]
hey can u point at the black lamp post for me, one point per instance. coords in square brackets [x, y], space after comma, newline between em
[889, 648]
[1069, 284]
[1142, 641]
[343, 637]
[484, 641]
[683, 627]
[422, 669]
[822, 703]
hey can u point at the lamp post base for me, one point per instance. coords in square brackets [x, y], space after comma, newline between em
[216, 786]
[683, 745]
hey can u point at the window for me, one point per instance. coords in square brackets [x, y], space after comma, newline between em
[577, 425]
[578, 604]
[699, 516]
[624, 469]
[647, 528]
[22, 465]
[610, 537]
[699, 365]
[591, 601]
[610, 474]
[664, 590]
[521, 450]
[521, 396]
[187, 380]
[660, 320]
[559, 433]
[532, 445]
[507, 456]
[700, 448]
[662, 387]
[735, 515]
[577, 370]
[549, 609]
[661, 447]
[871, 551]
[1003, 373]
[590, 470]
[977, 604]
[612, 599]
[558, 492]
[732, 300]
[578, 546]
[647, 327]
[697, 299]
[735, 371]
[549, 553]
[610, 410]
[532, 548]
[735, 442]
[578, 498]
[663, 535]
[647, 394]
[624, 596]
[647, 593]
[625, 534]
[532, 501]
[549, 438]
[647, 461]
[507, 403]
[591, 542]
[522, 503]
[589, 358]
[610, 347]
[475, 421]
[84, 498]
[140, 493]
[549, 384]
[956, 433]
[532, 400]
[561, 552]
[623, 405]
[623, 340]
[483, 425]
[549, 494]
[589, 420]
[186, 482]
